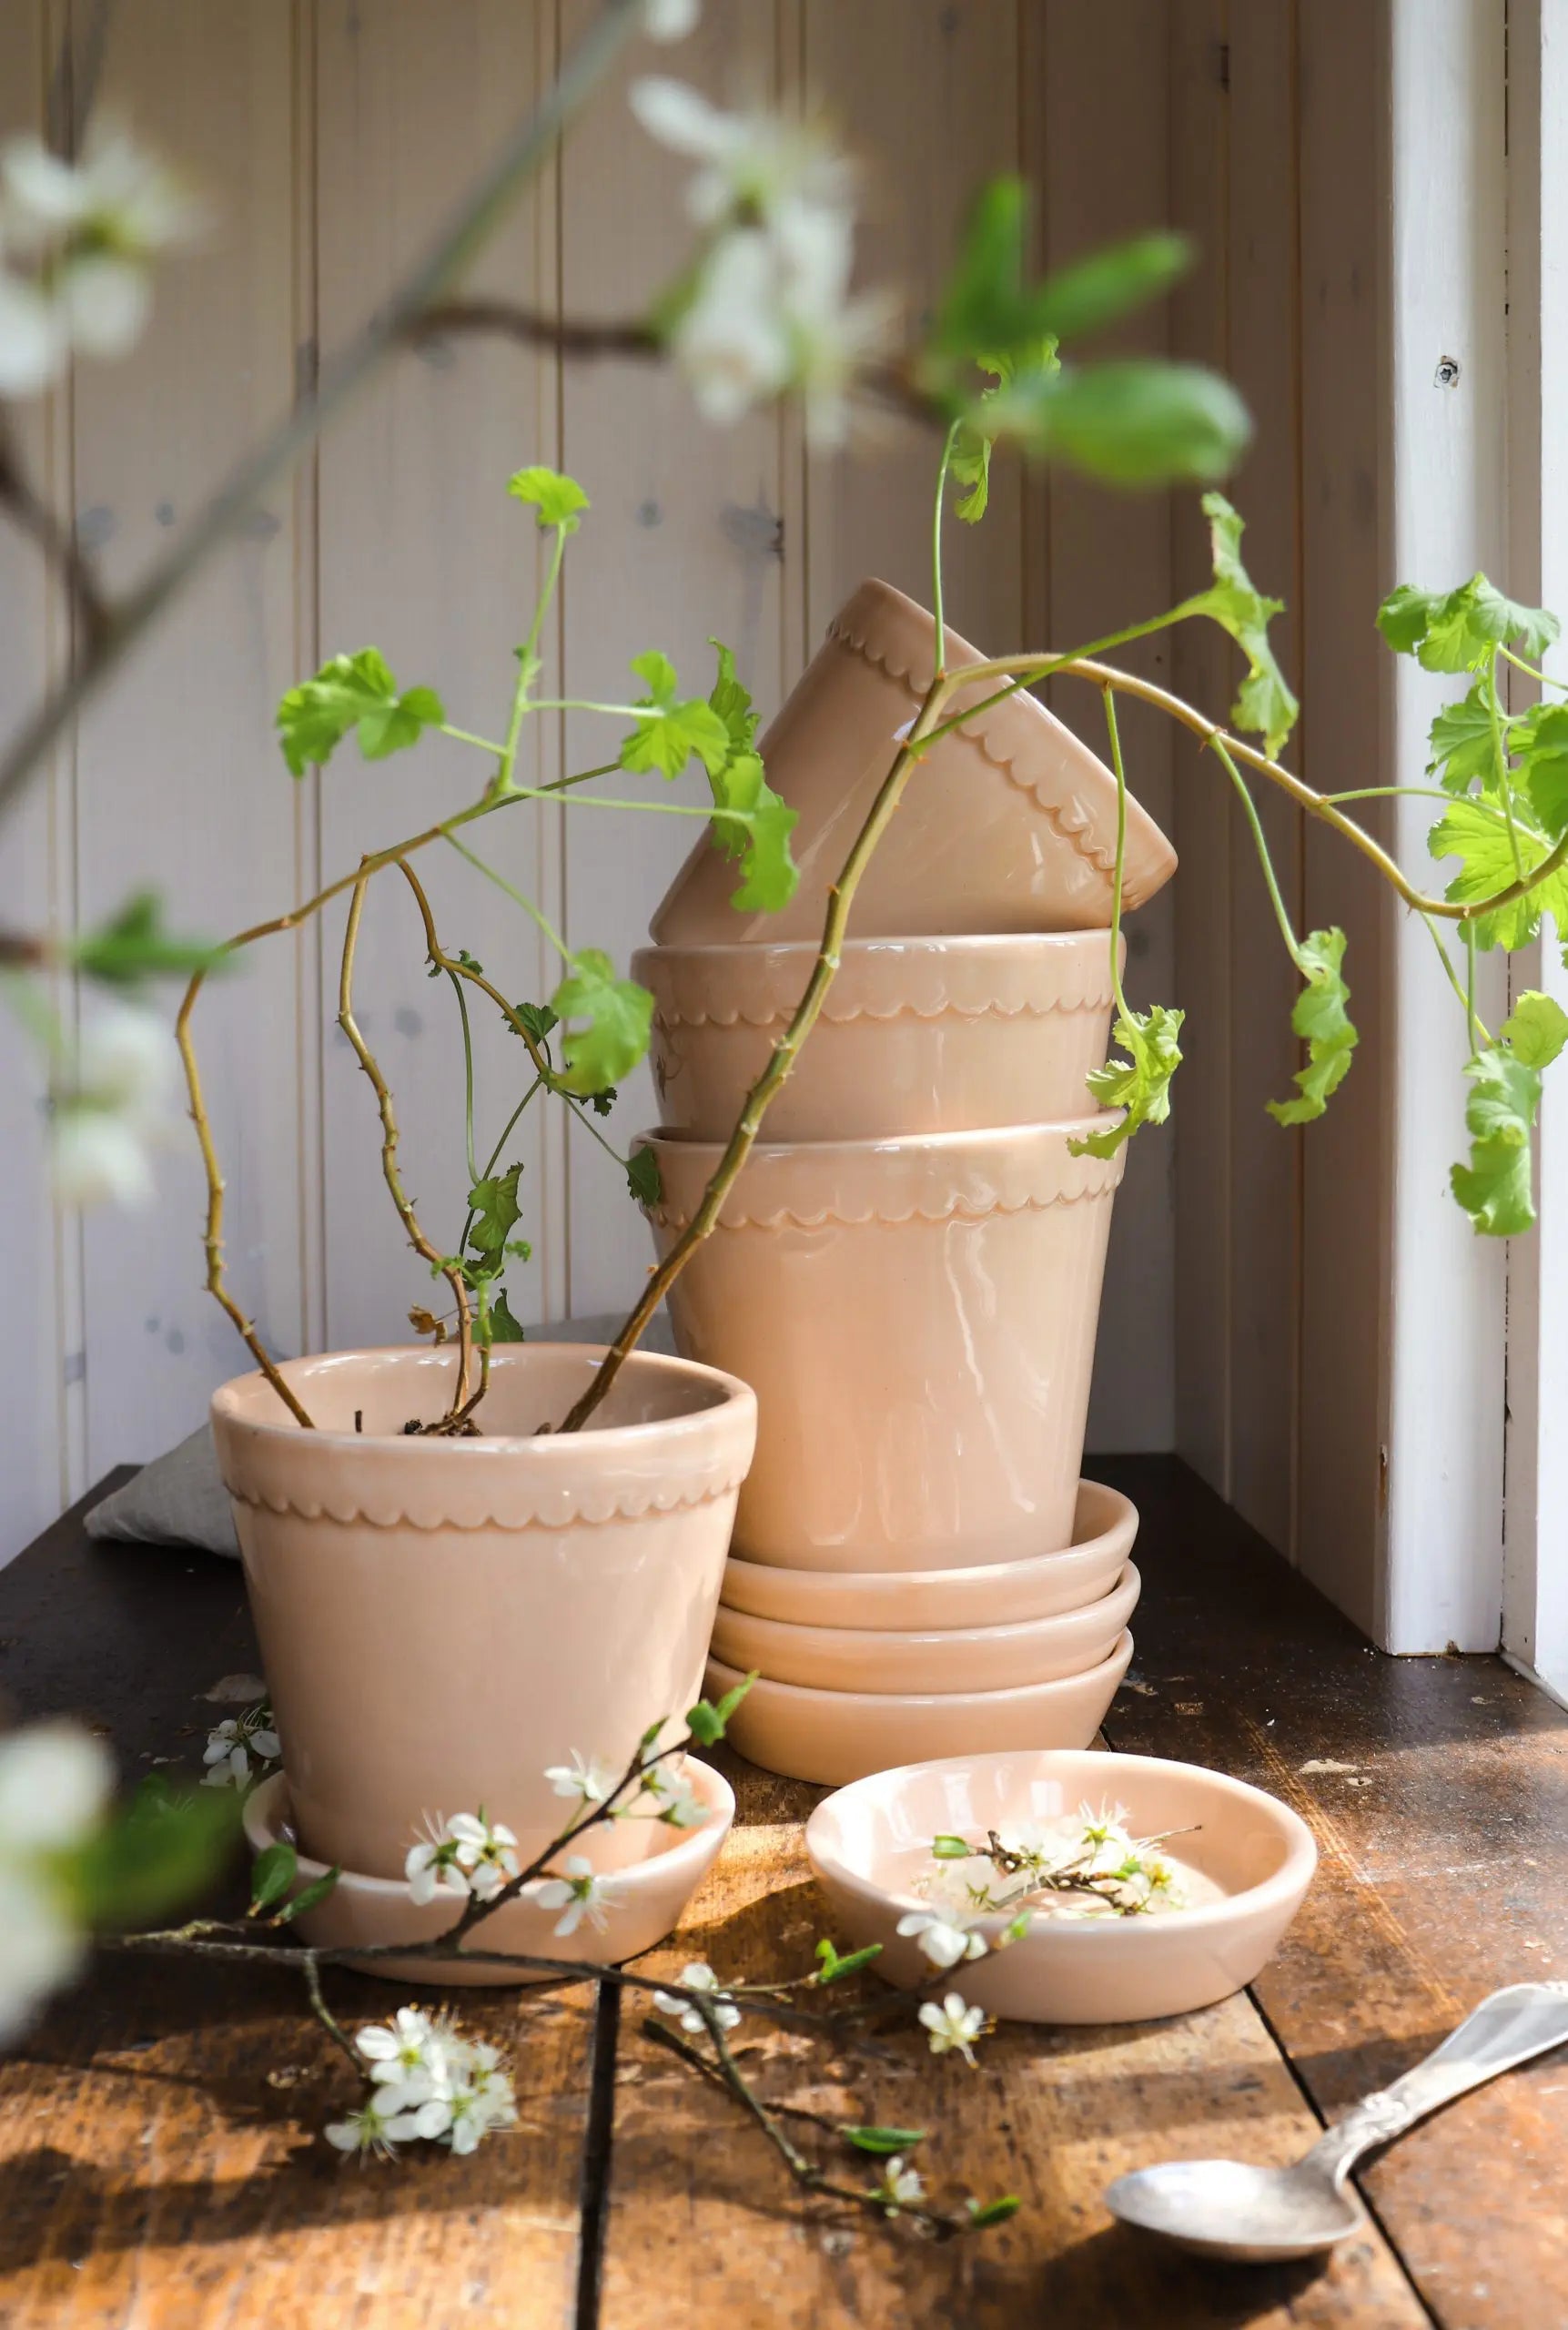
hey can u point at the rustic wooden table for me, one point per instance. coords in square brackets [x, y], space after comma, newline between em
[160, 2164]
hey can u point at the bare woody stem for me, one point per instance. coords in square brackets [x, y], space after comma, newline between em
[841, 897]
[390, 1173]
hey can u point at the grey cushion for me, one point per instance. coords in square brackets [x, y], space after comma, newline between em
[180, 1499]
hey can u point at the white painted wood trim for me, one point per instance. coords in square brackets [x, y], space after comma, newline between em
[1446, 1359]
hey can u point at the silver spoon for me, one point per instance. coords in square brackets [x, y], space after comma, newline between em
[1221, 2208]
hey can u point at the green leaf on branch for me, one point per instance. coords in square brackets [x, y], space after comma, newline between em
[969, 464]
[988, 304]
[494, 1205]
[1459, 630]
[643, 1177]
[1264, 703]
[706, 1722]
[883, 2143]
[555, 498]
[1495, 1188]
[672, 730]
[618, 1014]
[134, 946]
[1464, 743]
[495, 1323]
[834, 1968]
[273, 1873]
[538, 1018]
[997, 2212]
[1322, 1019]
[1140, 1084]
[750, 822]
[1476, 831]
[310, 1897]
[950, 1848]
[157, 1854]
[1142, 422]
[354, 691]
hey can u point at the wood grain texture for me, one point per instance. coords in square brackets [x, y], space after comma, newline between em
[1438, 1790]
[703, 2227]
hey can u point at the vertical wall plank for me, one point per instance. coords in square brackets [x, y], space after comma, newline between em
[178, 787]
[922, 89]
[1345, 677]
[423, 553]
[685, 540]
[1107, 160]
[1205, 813]
[32, 639]
[1263, 353]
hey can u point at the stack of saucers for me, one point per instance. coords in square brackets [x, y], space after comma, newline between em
[907, 1269]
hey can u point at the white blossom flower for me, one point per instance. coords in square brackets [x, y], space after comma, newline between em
[390, 2114]
[671, 20]
[466, 1854]
[752, 162]
[54, 1786]
[579, 1894]
[405, 2051]
[901, 2187]
[239, 1748]
[941, 1939]
[585, 1777]
[732, 341]
[109, 1113]
[953, 2025]
[698, 1976]
[78, 244]
[675, 1800]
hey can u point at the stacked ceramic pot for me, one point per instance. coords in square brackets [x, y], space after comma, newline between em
[907, 1269]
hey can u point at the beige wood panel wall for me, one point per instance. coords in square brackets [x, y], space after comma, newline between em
[332, 132]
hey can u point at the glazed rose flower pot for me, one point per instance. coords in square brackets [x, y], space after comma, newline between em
[918, 1318]
[1008, 823]
[441, 1619]
[916, 1035]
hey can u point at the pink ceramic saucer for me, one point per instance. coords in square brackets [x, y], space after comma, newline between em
[372, 1910]
[838, 1736]
[936, 1658]
[994, 1594]
[867, 1842]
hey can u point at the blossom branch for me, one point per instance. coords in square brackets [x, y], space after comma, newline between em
[32, 515]
[486, 201]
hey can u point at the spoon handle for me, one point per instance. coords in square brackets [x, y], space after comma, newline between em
[1507, 2029]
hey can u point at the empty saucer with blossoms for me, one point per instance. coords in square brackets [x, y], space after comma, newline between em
[1057, 1886]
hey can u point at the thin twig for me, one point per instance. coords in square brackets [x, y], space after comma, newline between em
[447, 1267]
[62, 552]
[535, 327]
[484, 205]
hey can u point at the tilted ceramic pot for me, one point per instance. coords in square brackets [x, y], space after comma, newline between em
[440, 1619]
[916, 1035]
[1008, 823]
[918, 1318]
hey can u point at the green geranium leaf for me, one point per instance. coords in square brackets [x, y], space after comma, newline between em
[833, 1968]
[1463, 745]
[619, 1015]
[731, 699]
[495, 1323]
[354, 691]
[750, 821]
[274, 1872]
[1495, 1187]
[1474, 830]
[1320, 1018]
[1264, 703]
[556, 499]
[706, 1722]
[970, 463]
[134, 946]
[882, 2143]
[1537, 1028]
[493, 1204]
[643, 1177]
[1541, 740]
[1458, 631]
[310, 1898]
[672, 732]
[538, 1018]
[1141, 1082]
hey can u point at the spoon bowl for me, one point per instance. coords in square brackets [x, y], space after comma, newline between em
[1222, 2208]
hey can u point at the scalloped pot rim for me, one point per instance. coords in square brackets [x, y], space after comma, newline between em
[994, 974]
[623, 1471]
